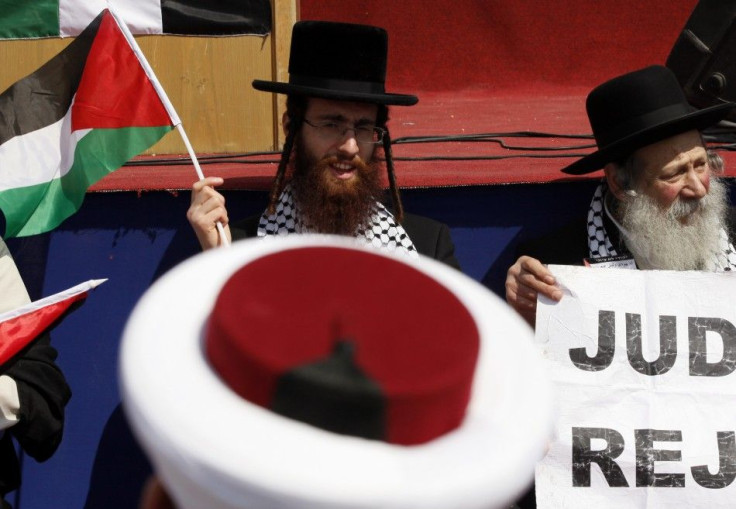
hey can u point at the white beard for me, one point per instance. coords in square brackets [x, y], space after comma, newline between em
[659, 240]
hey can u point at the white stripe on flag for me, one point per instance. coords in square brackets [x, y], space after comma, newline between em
[52, 299]
[44, 155]
[142, 16]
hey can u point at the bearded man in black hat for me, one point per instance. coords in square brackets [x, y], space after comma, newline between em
[660, 206]
[328, 180]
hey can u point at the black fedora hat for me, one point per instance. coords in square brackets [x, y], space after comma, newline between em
[340, 61]
[637, 109]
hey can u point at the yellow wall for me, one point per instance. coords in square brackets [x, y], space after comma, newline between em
[207, 79]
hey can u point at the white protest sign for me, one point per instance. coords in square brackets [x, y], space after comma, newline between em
[643, 366]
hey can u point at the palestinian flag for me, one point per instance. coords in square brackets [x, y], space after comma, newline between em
[20, 326]
[81, 116]
[24, 19]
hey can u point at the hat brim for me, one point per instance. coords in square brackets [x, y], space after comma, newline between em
[338, 95]
[180, 410]
[700, 119]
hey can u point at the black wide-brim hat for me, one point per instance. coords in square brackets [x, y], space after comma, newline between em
[638, 109]
[340, 61]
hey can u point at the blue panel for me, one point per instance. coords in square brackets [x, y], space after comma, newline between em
[478, 249]
[88, 342]
[133, 238]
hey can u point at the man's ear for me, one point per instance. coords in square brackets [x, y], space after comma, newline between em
[613, 184]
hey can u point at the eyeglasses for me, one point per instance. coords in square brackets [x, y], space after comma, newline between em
[335, 131]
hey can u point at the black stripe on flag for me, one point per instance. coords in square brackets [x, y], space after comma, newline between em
[44, 97]
[216, 17]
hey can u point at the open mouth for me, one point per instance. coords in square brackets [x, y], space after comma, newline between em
[343, 171]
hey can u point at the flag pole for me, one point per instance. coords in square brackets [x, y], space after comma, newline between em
[165, 101]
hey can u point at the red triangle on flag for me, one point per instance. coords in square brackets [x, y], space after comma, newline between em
[20, 326]
[115, 90]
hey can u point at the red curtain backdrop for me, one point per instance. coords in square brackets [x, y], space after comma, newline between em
[512, 44]
[501, 66]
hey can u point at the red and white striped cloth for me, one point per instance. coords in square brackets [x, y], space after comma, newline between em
[20, 326]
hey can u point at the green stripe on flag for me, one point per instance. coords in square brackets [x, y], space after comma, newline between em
[37, 209]
[29, 19]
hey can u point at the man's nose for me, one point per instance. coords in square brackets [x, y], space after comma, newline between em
[349, 144]
[696, 185]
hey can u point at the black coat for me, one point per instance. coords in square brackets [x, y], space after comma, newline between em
[43, 393]
[430, 237]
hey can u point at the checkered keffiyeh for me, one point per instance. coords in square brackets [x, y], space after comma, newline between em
[599, 244]
[380, 231]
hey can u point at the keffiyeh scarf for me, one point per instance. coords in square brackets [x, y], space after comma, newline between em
[599, 243]
[381, 231]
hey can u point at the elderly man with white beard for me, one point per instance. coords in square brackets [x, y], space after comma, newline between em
[661, 204]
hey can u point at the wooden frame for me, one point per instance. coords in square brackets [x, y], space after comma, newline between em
[208, 80]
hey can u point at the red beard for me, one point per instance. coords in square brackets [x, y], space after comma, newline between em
[331, 205]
